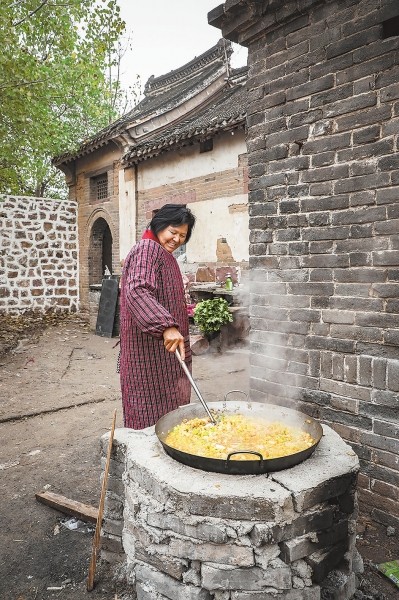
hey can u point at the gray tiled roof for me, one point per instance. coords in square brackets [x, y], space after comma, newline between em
[227, 111]
[167, 92]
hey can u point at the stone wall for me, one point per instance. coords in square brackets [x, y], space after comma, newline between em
[38, 255]
[186, 533]
[323, 122]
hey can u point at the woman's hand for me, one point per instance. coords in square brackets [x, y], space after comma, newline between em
[173, 339]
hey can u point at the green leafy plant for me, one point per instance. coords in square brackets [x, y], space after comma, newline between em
[210, 315]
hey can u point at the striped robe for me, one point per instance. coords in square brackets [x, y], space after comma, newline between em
[152, 298]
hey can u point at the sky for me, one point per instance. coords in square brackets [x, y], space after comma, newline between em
[166, 34]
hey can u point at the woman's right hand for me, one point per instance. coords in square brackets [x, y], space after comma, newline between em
[173, 339]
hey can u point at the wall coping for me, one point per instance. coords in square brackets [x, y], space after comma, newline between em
[244, 21]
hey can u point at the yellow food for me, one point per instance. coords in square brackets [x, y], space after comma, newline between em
[234, 432]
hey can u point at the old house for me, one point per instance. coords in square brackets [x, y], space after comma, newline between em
[323, 122]
[183, 143]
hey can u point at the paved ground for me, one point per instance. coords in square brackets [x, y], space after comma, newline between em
[58, 393]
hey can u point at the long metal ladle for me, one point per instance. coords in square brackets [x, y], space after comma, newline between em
[194, 386]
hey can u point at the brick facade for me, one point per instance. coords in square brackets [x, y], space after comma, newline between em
[38, 255]
[98, 220]
[323, 122]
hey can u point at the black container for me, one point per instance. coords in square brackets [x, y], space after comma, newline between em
[266, 412]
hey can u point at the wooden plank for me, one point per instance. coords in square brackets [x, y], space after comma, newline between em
[85, 512]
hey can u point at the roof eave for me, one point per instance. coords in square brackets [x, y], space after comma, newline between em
[174, 143]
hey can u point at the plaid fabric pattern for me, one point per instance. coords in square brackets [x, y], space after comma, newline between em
[152, 299]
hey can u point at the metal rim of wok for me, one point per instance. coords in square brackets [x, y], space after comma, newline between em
[268, 412]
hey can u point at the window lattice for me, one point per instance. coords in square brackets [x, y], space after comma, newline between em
[102, 187]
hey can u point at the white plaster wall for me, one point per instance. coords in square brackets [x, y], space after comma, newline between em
[127, 211]
[218, 219]
[98, 160]
[188, 163]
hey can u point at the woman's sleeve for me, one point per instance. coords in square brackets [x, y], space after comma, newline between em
[140, 286]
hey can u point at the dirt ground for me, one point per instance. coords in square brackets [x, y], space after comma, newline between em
[58, 393]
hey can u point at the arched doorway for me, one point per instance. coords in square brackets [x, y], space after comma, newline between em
[100, 251]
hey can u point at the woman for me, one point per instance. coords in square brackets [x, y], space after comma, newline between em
[154, 321]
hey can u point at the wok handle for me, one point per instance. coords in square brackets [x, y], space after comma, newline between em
[194, 386]
[245, 452]
[236, 392]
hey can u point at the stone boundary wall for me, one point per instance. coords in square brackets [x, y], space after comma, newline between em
[38, 255]
[323, 123]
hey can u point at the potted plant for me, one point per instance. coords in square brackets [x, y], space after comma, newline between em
[210, 315]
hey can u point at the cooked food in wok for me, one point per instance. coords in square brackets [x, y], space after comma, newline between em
[235, 433]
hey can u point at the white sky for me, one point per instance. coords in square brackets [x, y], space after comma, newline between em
[166, 34]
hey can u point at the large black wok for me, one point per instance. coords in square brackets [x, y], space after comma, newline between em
[266, 412]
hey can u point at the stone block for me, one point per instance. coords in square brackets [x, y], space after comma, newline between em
[113, 527]
[200, 529]
[115, 485]
[168, 586]
[303, 594]
[161, 562]
[147, 592]
[222, 577]
[322, 562]
[112, 543]
[228, 554]
[192, 576]
[393, 375]
[311, 487]
[265, 554]
[317, 520]
[116, 468]
[113, 507]
[140, 534]
[338, 586]
[221, 595]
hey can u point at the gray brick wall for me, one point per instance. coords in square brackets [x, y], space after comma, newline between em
[323, 124]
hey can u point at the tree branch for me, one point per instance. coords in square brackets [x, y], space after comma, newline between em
[31, 13]
[14, 85]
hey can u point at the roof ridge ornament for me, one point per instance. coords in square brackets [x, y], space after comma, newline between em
[221, 52]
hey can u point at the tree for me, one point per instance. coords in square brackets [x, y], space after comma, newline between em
[56, 85]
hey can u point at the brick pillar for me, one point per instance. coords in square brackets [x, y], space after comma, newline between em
[323, 122]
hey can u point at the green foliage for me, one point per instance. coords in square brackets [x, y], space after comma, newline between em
[56, 85]
[210, 315]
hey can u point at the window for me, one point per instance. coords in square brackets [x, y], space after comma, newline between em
[102, 187]
[99, 188]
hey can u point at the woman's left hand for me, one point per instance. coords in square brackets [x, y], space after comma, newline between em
[173, 339]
